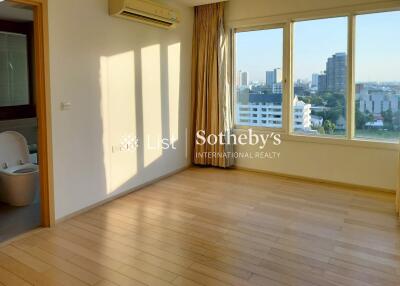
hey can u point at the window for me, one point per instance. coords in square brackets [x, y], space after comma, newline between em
[320, 76]
[259, 58]
[16, 99]
[324, 91]
[377, 76]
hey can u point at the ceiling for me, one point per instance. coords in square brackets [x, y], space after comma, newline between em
[10, 11]
[193, 3]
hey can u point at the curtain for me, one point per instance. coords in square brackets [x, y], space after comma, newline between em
[211, 101]
[398, 201]
[398, 192]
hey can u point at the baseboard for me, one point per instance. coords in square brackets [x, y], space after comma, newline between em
[112, 198]
[316, 180]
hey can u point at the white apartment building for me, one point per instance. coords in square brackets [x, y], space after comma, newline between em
[277, 88]
[270, 115]
[377, 101]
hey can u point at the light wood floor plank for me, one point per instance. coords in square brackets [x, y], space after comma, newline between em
[215, 227]
[8, 278]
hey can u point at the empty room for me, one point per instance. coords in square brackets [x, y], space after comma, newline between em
[200, 142]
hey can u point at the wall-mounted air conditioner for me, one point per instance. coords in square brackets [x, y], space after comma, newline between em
[145, 11]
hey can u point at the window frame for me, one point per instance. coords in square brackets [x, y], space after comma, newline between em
[287, 21]
[234, 72]
[350, 68]
[27, 110]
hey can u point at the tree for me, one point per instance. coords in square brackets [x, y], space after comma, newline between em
[305, 99]
[362, 118]
[321, 130]
[329, 127]
[317, 100]
[388, 119]
[396, 120]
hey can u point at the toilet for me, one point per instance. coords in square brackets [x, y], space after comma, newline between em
[19, 178]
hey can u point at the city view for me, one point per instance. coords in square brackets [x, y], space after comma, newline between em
[320, 96]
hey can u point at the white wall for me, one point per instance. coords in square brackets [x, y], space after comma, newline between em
[372, 167]
[122, 78]
[369, 167]
[246, 9]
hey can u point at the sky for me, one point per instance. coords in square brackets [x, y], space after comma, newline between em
[377, 47]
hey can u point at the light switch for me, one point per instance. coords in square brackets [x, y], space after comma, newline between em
[66, 105]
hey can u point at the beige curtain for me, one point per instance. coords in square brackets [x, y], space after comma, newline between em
[398, 192]
[211, 101]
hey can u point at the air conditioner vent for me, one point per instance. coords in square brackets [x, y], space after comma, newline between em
[143, 18]
[145, 11]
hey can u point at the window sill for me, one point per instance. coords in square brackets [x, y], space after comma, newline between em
[329, 140]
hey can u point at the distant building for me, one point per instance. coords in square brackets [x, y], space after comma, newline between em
[377, 124]
[359, 88]
[278, 75]
[376, 101]
[334, 78]
[316, 121]
[322, 82]
[301, 87]
[273, 77]
[336, 73]
[269, 113]
[277, 88]
[314, 81]
[243, 78]
[302, 115]
[269, 78]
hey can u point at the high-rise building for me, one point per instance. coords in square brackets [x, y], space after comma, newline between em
[322, 82]
[243, 78]
[314, 82]
[336, 73]
[270, 78]
[334, 79]
[278, 75]
[273, 77]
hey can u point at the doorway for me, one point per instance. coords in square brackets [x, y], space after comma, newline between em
[26, 107]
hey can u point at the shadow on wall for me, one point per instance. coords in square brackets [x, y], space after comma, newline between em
[141, 100]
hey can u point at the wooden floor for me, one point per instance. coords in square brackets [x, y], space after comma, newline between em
[215, 227]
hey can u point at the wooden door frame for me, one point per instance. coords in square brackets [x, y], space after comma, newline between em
[43, 107]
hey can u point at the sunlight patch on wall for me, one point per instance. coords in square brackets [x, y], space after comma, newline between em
[174, 70]
[119, 118]
[151, 97]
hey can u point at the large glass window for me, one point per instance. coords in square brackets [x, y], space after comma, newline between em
[377, 76]
[320, 77]
[259, 89]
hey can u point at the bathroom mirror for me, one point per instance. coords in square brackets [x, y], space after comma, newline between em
[16, 99]
[14, 80]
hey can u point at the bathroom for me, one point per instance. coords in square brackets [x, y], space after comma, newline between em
[20, 207]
